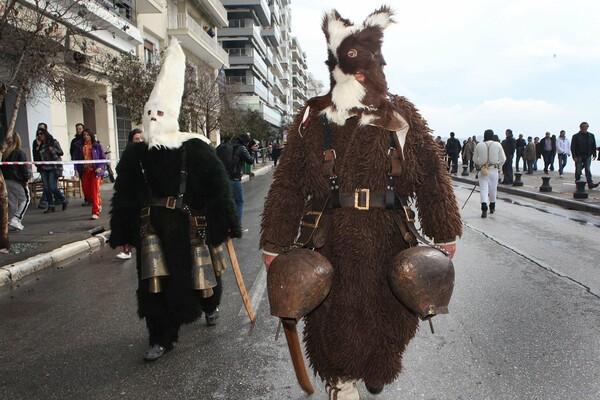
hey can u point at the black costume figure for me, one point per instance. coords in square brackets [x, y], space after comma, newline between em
[157, 171]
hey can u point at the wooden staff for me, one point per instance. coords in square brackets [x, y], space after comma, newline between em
[291, 336]
[239, 280]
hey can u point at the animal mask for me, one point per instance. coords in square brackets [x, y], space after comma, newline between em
[355, 62]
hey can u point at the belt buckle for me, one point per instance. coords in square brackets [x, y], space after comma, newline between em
[357, 194]
[315, 224]
[170, 203]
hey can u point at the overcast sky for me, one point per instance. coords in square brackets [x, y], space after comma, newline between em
[469, 65]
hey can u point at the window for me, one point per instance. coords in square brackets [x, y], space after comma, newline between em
[123, 127]
[148, 51]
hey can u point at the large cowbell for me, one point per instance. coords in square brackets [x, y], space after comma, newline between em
[203, 274]
[297, 282]
[422, 278]
[153, 264]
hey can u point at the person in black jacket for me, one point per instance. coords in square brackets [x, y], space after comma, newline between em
[46, 148]
[17, 182]
[233, 154]
[509, 146]
[521, 143]
[583, 150]
[453, 147]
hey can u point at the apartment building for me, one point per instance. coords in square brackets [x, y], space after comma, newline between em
[267, 66]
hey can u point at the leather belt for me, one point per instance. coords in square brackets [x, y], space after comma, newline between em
[362, 199]
[167, 202]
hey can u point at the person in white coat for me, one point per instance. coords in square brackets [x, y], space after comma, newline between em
[488, 158]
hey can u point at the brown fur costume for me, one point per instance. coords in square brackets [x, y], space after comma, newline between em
[361, 330]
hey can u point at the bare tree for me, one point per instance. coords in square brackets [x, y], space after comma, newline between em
[35, 36]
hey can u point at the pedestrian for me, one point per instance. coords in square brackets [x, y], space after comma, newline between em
[509, 146]
[529, 155]
[233, 154]
[48, 149]
[538, 152]
[521, 143]
[548, 147]
[172, 202]
[453, 148]
[89, 149]
[135, 136]
[276, 153]
[553, 154]
[489, 158]
[360, 330]
[77, 139]
[467, 154]
[583, 150]
[563, 149]
[16, 178]
[35, 145]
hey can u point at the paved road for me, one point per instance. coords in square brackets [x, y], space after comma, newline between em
[524, 323]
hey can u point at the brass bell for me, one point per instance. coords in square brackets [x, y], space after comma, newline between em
[297, 282]
[203, 274]
[153, 264]
[422, 278]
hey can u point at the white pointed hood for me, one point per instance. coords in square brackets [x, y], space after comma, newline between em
[161, 112]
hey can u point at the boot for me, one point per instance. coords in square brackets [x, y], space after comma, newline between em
[484, 209]
[592, 185]
[50, 209]
[211, 319]
[492, 208]
[342, 390]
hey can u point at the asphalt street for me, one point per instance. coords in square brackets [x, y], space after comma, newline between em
[524, 322]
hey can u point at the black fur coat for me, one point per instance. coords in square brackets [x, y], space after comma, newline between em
[208, 189]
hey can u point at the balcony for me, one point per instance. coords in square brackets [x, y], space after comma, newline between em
[192, 37]
[238, 33]
[214, 10]
[150, 6]
[260, 7]
[100, 19]
[249, 86]
[276, 14]
[250, 58]
[272, 35]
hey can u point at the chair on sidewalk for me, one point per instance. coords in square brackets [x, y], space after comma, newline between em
[71, 186]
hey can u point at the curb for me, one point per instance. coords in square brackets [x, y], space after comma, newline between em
[19, 270]
[546, 198]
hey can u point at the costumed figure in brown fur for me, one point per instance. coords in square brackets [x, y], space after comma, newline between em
[338, 154]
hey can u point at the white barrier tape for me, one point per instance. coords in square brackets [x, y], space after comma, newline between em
[105, 161]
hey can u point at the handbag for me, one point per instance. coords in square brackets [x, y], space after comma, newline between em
[485, 169]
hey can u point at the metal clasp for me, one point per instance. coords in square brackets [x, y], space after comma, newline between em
[171, 202]
[361, 193]
[315, 223]
[408, 213]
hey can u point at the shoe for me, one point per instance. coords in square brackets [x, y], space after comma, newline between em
[484, 209]
[154, 353]
[124, 256]
[16, 223]
[86, 203]
[50, 209]
[99, 208]
[593, 185]
[211, 319]
[374, 390]
[492, 208]
[95, 216]
[561, 176]
[65, 205]
[42, 205]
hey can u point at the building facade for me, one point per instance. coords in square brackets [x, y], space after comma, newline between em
[248, 39]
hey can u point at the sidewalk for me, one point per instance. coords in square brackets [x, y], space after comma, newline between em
[49, 239]
[561, 194]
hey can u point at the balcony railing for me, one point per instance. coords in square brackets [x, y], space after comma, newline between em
[185, 21]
